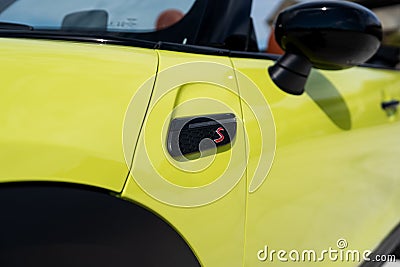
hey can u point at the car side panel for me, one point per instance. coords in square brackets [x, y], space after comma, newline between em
[335, 173]
[62, 110]
[204, 198]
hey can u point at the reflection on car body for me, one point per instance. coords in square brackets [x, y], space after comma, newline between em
[160, 133]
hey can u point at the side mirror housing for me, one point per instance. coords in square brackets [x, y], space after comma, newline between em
[330, 35]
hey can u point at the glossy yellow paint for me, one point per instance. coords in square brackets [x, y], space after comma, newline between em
[72, 112]
[62, 110]
[335, 173]
[203, 199]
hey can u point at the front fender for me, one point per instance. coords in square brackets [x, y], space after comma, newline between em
[62, 110]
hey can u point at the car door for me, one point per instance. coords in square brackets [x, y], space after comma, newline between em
[189, 165]
[334, 178]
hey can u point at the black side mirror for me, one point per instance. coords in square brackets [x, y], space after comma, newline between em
[329, 35]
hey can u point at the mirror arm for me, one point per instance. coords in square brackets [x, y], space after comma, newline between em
[290, 73]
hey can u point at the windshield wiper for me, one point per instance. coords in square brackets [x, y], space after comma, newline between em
[14, 26]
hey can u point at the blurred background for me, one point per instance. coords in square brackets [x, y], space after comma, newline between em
[264, 13]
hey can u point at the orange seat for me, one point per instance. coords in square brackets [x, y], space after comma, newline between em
[168, 18]
[273, 47]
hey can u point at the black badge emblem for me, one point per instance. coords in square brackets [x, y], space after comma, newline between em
[189, 137]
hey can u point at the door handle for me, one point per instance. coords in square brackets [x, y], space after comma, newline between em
[390, 107]
[390, 104]
[191, 137]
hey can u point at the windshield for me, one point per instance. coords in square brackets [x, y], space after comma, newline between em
[114, 16]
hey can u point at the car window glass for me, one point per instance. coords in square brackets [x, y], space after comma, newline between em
[121, 15]
[261, 11]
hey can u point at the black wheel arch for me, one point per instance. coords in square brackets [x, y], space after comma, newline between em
[56, 224]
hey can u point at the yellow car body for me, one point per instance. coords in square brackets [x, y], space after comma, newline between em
[61, 123]
[302, 171]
